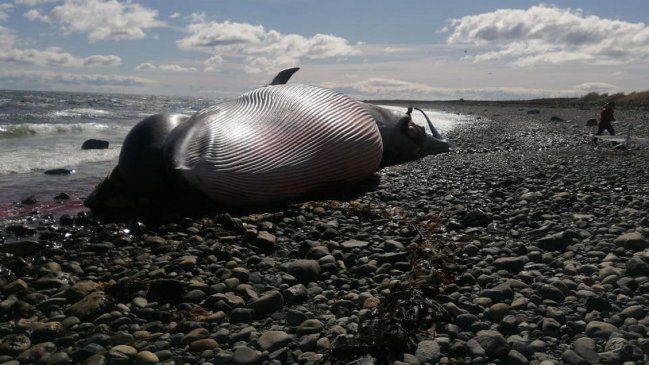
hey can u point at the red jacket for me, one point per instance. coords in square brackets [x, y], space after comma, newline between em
[606, 116]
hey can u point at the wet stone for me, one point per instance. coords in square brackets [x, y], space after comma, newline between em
[585, 348]
[634, 241]
[492, 342]
[90, 306]
[194, 296]
[145, 358]
[195, 334]
[203, 344]
[634, 311]
[295, 293]
[428, 351]
[572, 358]
[96, 359]
[637, 266]
[187, 262]
[555, 242]
[246, 356]
[266, 241]
[58, 358]
[497, 311]
[308, 342]
[474, 349]
[14, 344]
[268, 303]
[241, 315]
[310, 326]
[511, 264]
[17, 286]
[273, 340]
[315, 253]
[476, 218]
[304, 270]
[295, 317]
[393, 245]
[36, 352]
[551, 327]
[552, 293]
[516, 358]
[124, 349]
[353, 244]
[598, 329]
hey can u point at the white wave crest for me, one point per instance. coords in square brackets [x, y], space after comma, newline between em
[80, 113]
[52, 157]
[30, 129]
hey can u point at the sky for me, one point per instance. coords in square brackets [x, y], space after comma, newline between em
[407, 49]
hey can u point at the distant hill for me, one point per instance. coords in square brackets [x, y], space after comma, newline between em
[638, 100]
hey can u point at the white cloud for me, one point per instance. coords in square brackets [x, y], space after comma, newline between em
[55, 57]
[598, 87]
[5, 9]
[102, 60]
[176, 68]
[551, 35]
[101, 19]
[51, 57]
[34, 2]
[33, 14]
[175, 15]
[382, 88]
[47, 77]
[7, 38]
[261, 50]
[212, 63]
[148, 66]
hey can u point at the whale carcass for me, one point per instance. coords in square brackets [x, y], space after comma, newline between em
[270, 144]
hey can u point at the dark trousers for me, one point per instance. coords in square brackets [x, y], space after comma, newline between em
[604, 127]
[608, 127]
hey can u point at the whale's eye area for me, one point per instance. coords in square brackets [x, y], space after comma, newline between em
[414, 132]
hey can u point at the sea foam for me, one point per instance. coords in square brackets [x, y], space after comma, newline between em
[31, 129]
[52, 157]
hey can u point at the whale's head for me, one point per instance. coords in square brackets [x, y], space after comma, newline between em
[142, 172]
[403, 140]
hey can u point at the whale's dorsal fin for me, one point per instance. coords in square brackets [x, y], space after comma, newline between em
[283, 76]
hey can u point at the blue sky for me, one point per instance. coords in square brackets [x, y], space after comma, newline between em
[411, 49]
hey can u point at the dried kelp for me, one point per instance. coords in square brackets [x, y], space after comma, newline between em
[410, 311]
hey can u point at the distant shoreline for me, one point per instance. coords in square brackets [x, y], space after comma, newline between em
[638, 100]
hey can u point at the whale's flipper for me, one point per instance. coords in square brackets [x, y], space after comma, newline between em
[283, 76]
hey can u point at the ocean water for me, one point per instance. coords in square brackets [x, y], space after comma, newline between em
[45, 130]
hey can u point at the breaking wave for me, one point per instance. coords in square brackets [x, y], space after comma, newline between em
[52, 157]
[31, 129]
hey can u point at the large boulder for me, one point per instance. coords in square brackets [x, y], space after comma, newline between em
[94, 144]
[633, 241]
[59, 172]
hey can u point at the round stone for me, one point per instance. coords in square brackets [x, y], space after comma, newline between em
[246, 356]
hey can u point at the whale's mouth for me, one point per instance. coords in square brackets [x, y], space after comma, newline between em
[436, 143]
[433, 130]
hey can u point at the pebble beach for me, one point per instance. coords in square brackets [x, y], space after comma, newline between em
[527, 245]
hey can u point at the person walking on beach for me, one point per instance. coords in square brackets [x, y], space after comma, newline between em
[605, 119]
